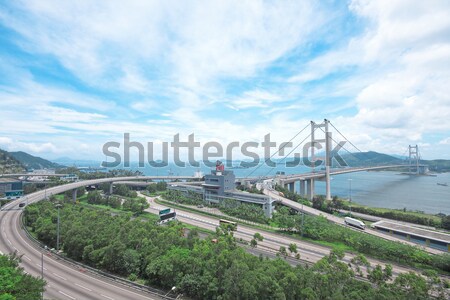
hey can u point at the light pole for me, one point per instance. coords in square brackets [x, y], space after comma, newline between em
[171, 290]
[350, 195]
[42, 271]
[58, 206]
[303, 214]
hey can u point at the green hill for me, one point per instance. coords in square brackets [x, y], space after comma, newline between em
[370, 158]
[34, 162]
[9, 164]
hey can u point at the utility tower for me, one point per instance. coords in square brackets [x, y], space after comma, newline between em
[414, 159]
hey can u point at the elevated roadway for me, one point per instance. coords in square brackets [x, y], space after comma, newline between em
[64, 281]
[286, 179]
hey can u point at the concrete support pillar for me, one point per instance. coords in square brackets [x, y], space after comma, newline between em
[74, 195]
[268, 208]
[310, 188]
[111, 188]
[302, 188]
[292, 187]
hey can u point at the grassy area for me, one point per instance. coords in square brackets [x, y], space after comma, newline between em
[82, 200]
[396, 214]
[335, 245]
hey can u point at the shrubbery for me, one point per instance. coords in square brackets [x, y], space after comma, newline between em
[200, 269]
[319, 228]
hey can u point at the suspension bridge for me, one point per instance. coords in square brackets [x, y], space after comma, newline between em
[321, 137]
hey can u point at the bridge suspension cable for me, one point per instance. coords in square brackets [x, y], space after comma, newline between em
[349, 152]
[276, 152]
[345, 137]
[290, 152]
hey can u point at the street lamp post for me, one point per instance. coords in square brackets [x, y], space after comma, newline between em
[350, 195]
[171, 290]
[58, 206]
[42, 272]
[303, 214]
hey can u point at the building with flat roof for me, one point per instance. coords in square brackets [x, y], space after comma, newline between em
[220, 185]
[433, 239]
[10, 188]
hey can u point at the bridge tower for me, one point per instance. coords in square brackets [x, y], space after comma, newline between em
[315, 142]
[414, 159]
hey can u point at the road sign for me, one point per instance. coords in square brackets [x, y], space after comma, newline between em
[164, 211]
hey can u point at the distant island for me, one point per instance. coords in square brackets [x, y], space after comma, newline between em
[14, 162]
[18, 162]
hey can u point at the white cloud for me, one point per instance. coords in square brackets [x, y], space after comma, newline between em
[184, 51]
[445, 141]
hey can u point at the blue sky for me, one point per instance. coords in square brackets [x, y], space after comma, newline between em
[76, 75]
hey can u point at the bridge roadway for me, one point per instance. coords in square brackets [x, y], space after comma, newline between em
[64, 281]
[315, 212]
[117, 178]
[286, 179]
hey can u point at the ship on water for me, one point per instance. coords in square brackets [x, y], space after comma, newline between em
[442, 184]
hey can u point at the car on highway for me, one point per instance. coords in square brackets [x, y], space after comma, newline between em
[22, 204]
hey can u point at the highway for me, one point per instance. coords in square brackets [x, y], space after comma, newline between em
[64, 281]
[68, 282]
[309, 252]
[315, 212]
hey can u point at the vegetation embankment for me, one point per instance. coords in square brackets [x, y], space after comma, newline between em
[202, 269]
[336, 204]
[416, 217]
[321, 230]
[250, 212]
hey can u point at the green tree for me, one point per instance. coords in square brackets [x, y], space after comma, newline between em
[257, 236]
[292, 248]
[121, 190]
[151, 188]
[446, 222]
[15, 283]
[161, 186]
[94, 197]
[282, 251]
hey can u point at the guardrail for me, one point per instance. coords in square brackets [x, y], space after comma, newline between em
[123, 281]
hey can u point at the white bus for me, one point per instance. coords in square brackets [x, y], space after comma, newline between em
[354, 222]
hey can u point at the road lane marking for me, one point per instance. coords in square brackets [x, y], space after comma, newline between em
[41, 267]
[59, 276]
[68, 296]
[83, 287]
[9, 241]
[26, 257]
[106, 297]
[114, 286]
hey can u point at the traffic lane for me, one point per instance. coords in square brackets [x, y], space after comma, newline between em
[272, 242]
[311, 253]
[340, 221]
[86, 282]
[59, 284]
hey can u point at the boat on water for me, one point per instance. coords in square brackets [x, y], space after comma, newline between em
[443, 184]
